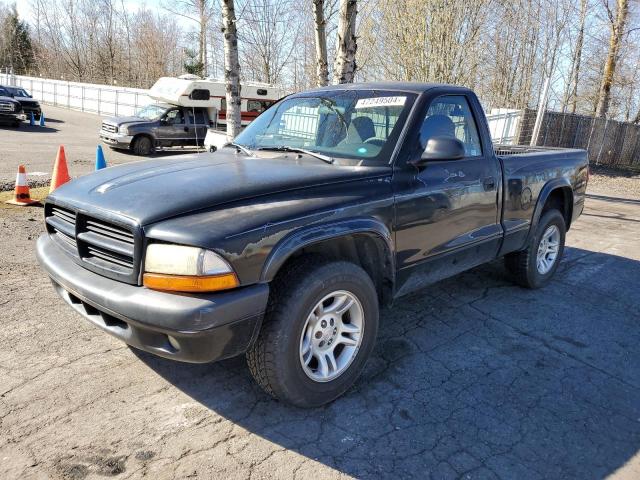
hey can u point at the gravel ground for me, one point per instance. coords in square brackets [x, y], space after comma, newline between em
[605, 181]
[473, 378]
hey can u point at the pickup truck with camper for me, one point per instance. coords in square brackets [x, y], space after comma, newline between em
[186, 108]
[156, 126]
[10, 111]
[284, 244]
[28, 103]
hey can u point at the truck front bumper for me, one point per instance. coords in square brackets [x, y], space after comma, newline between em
[116, 140]
[187, 327]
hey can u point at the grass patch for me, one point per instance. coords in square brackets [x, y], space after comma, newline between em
[39, 193]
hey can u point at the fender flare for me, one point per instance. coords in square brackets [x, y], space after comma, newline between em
[547, 189]
[308, 236]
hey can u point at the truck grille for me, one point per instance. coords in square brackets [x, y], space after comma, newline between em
[7, 107]
[101, 246]
[108, 127]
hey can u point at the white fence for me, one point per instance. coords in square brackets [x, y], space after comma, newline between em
[504, 125]
[100, 99]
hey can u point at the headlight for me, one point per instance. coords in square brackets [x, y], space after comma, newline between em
[186, 269]
[123, 130]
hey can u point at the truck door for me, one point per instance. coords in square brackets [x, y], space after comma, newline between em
[447, 218]
[173, 129]
[197, 123]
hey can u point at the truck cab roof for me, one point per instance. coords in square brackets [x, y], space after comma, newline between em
[413, 87]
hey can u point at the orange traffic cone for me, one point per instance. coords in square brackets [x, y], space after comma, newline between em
[60, 173]
[21, 196]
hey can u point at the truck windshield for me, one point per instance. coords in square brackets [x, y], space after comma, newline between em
[354, 124]
[151, 112]
[19, 93]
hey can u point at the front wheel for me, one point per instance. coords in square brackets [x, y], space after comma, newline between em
[318, 333]
[535, 266]
[142, 146]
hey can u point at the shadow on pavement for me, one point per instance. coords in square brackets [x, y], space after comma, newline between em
[473, 376]
[613, 199]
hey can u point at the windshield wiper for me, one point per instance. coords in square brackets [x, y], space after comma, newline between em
[285, 148]
[239, 148]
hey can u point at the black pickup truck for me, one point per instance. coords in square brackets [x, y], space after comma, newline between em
[156, 126]
[28, 103]
[10, 111]
[285, 244]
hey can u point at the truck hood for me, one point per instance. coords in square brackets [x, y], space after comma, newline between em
[8, 100]
[152, 190]
[27, 101]
[119, 121]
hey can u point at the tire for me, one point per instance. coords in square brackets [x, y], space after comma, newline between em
[276, 359]
[523, 266]
[142, 146]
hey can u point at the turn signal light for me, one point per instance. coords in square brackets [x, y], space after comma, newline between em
[188, 283]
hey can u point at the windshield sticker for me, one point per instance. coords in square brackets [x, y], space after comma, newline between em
[380, 102]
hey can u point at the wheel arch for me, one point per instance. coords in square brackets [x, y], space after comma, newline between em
[136, 136]
[366, 242]
[556, 193]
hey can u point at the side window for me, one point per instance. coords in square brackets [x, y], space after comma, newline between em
[175, 117]
[258, 106]
[450, 116]
[199, 116]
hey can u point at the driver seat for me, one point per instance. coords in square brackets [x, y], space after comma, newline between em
[360, 129]
[437, 126]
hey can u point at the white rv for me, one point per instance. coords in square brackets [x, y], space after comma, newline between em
[191, 91]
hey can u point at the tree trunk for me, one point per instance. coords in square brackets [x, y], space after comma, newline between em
[344, 67]
[204, 20]
[231, 68]
[577, 58]
[322, 66]
[615, 41]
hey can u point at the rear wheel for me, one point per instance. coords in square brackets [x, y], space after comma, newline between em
[142, 145]
[535, 266]
[318, 333]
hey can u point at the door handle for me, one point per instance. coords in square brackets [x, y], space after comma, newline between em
[489, 183]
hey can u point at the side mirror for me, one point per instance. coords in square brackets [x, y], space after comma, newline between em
[164, 122]
[442, 148]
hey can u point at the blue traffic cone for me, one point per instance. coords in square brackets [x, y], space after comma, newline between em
[100, 161]
[42, 119]
[32, 120]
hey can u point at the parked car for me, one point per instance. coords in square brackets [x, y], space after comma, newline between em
[285, 244]
[10, 111]
[156, 125]
[29, 104]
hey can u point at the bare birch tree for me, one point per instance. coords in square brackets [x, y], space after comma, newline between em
[344, 68]
[320, 28]
[231, 68]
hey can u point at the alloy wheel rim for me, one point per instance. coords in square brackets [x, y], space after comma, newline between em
[331, 336]
[548, 249]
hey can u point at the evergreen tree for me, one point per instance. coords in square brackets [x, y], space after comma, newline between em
[192, 63]
[16, 49]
